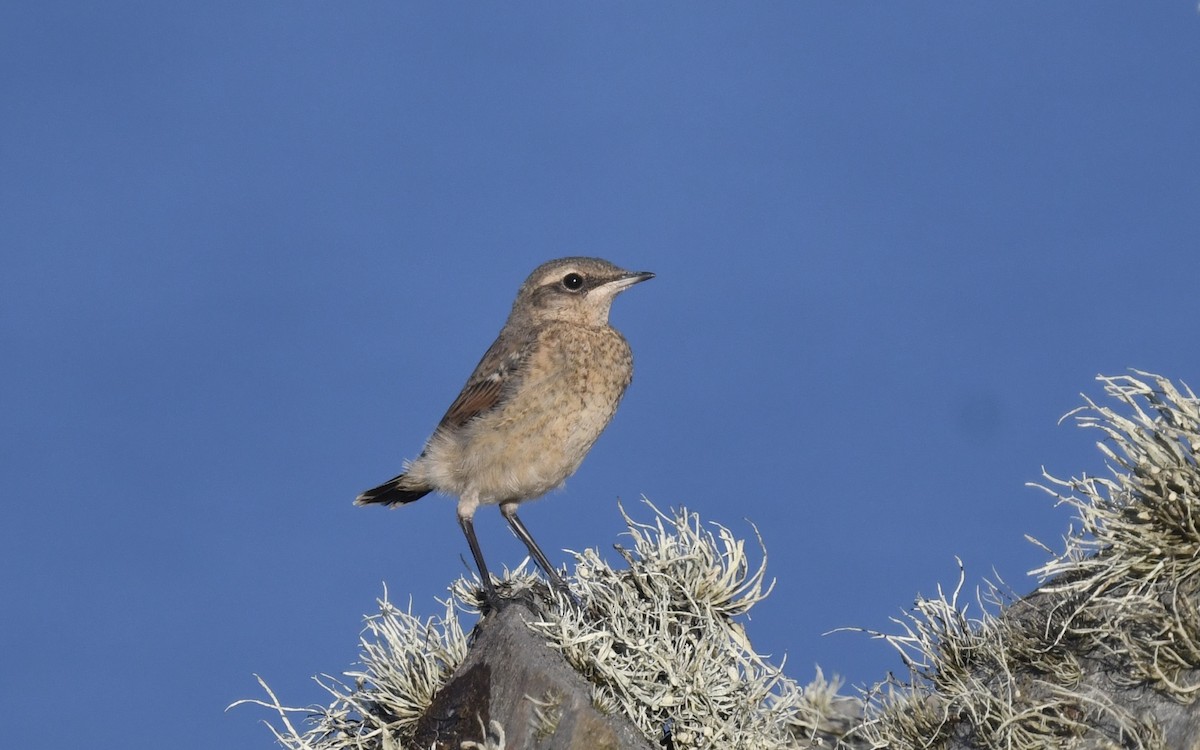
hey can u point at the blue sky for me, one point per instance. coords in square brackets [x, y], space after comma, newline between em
[251, 250]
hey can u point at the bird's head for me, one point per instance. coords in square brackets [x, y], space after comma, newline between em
[573, 290]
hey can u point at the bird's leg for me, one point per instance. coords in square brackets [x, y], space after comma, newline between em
[509, 511]
[468, 528]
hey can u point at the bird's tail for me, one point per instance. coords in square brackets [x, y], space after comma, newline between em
[395, 491]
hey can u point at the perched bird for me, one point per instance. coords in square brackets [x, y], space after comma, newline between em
[544, 391]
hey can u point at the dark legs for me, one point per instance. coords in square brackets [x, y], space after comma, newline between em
[509, 511]
[469, 529]
[466, 512]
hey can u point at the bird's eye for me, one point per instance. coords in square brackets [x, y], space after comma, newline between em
[572, 282]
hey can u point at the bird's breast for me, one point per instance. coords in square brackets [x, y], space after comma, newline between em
[569, 390]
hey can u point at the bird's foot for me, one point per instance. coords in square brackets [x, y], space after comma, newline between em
[560, 587]
[489, 600]
[537, 597]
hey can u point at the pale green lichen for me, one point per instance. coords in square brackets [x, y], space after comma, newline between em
[657, 639]
[660, 641]
[1106, 654]
[405, 660]
[547, 713]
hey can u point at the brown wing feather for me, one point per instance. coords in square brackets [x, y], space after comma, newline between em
[475, 399]
[493, 378]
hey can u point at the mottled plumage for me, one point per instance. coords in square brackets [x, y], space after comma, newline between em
[533, 407]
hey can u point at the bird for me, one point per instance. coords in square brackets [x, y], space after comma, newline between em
[532, 409]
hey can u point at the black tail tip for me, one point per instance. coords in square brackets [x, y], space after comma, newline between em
[390, 493]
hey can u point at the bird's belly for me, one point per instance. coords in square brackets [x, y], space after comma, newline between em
[526, 452]
[537, 438]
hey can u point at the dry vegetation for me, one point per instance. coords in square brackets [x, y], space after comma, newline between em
[1105, 654]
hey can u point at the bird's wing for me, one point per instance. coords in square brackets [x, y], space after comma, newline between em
[494, 378]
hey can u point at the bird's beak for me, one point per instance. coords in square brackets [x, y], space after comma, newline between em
[630, 279]
[610, 289]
